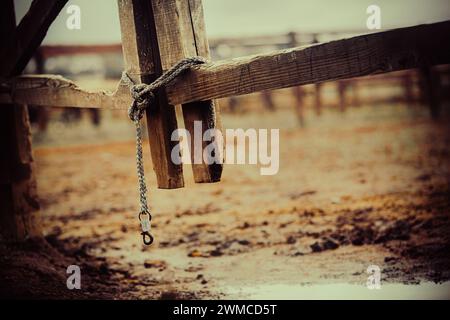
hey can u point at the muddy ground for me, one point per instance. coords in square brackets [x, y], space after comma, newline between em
[371, 186]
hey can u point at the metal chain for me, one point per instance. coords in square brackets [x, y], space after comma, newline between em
[143, 94]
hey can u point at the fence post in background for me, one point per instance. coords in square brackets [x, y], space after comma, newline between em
[356, 101]
[317, 88]
[267, 99]
[407, 83]
[341, 87]
[19, 207]
[299, 94]
[318, 98]
[430, 89]
[297, 91]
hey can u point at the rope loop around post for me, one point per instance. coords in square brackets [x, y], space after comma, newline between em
[143, 94]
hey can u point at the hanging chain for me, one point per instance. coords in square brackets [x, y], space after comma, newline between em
[143, 95]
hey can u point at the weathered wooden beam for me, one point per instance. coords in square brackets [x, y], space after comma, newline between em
[19, 208]
[358, 56]
[180, 30]
[29, 35]
[143, 64]
[57, 91]
[371, 54]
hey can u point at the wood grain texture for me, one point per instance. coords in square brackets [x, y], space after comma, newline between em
[19, 207]
[207, 111]
[57, 91]
[371, 54]
[382, 52]
[143, 65]
[181, 33]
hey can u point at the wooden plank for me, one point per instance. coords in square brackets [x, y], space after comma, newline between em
[358, 56]
[57, 91]
[372, 54]
[19, 207]
[29, 35]
[143, 64]
[49, 51]
[181, 33]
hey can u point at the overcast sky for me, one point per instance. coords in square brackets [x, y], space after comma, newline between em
[100, 23]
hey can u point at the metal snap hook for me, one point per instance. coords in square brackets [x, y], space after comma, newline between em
[145, 217]
[147, 238]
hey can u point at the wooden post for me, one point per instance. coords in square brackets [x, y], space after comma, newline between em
[267, 99]
[407, 83]
[143, 64]
[298, 91]
[430, 89]
[341, 87]
[155, 35]
[318, 98]
[317, 87]
[355, 93]
[19, 206]
[181, 33]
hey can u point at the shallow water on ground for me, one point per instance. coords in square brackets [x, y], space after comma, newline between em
[342, 291]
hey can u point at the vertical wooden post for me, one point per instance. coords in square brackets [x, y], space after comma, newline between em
[19, 206]
[143, 64]
[156, 34]
[298, 94]
[430, 89]
[297, 91]
[318, 98]
[267, 99]
[317, 88]
[181, 33]
[341, 87]
[355, 94]
[407, 83]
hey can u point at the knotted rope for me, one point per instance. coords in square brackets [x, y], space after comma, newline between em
[143, 95]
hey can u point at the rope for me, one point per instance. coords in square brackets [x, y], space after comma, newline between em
[143, 95]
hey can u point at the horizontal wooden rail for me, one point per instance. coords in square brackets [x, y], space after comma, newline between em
[57, 91]
[49, 51]
[375, 53]
[369, 54]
